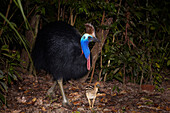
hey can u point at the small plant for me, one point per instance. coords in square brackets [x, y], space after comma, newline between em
[9, 61]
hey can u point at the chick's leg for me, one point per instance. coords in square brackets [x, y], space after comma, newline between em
[93, 102]
[89, 103]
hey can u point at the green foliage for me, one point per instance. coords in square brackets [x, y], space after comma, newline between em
[11, 43]
[10, 60]
[149, 32]
[116, 88]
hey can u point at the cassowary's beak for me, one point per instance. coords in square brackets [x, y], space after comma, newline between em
[94, 39]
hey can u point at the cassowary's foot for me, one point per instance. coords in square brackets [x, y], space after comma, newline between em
[50, 92]
[68, 105]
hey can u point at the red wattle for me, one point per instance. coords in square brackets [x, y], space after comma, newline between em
[88, 63]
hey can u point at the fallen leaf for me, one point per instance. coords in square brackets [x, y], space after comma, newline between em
[145, 99]
[158, 107]
[148, 88]
[106, 110]
[101, 100]
[21, 100]
[100, 94]
[43, 108]
[73, 94]
[74, 88]
[16, 111]
[76, 103]
[167, 108]
[100, 106]
[34, 99]
[80, 109]
[123, 92]
[114, 110]
[26, 91]
[113, 94]
[31, 101]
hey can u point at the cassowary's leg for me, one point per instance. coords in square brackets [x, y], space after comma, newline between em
[65, 101]
[51, 90]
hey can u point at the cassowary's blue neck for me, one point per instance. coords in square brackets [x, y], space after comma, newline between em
[84, 46]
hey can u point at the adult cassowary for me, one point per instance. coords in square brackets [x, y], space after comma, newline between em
[61, 51]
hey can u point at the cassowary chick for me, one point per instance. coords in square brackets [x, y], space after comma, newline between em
[91, 94]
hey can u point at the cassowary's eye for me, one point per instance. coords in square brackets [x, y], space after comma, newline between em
[89, 37]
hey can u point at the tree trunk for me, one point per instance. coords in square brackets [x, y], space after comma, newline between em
[30, 35]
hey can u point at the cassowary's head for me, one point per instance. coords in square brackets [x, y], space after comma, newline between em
[85, 39]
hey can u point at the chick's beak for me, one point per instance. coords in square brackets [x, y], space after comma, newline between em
[98, 85]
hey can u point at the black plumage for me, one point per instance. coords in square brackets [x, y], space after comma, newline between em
[58, 51]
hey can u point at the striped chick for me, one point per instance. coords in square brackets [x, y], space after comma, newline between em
[91, 94]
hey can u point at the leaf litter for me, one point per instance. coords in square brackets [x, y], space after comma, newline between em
[28, 96]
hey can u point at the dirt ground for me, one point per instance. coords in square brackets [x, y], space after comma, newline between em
[28, 96]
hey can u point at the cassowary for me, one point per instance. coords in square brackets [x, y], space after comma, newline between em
[61, 51]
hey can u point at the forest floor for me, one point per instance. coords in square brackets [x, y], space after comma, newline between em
[28, 96]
